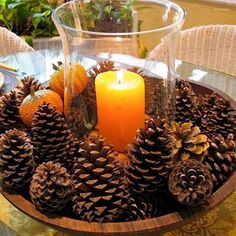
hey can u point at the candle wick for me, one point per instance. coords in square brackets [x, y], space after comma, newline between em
[120, 77]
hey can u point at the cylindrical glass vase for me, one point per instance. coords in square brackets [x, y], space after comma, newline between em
[119, 64]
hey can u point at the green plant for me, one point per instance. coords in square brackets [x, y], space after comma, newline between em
[116, 11]
[28, 17]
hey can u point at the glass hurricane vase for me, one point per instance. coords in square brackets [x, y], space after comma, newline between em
[119, 64]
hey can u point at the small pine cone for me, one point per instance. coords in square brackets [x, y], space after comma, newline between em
[28, 84]
[186, 102]
[9, 111]
[217, 116]
[51, 187]
[189, 142]
[51, 136]
[190, 182]
[150, 157]
[221, 160]
[16, 158]
[100, 193]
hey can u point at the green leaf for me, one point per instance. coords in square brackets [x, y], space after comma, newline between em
[14, 5]
[37, 17]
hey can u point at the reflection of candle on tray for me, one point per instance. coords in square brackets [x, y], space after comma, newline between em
[120, 105]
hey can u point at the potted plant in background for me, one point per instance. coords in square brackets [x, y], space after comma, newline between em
[109, 16]
[30, 19]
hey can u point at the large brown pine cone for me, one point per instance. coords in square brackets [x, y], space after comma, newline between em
[221, 160]
[190, 182]
[100, 193]
[189, 142]
[9, 111]
[16, 158]
[186, 102]
[51, 187]
[51, 137]
[217, 116]
[150, 157]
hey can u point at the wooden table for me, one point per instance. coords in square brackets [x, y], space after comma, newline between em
[219, 221]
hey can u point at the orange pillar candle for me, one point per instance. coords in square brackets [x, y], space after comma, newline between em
[120, 106]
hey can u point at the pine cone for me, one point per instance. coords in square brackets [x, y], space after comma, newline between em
[132, 212]
[51, 136]
[189, 142]
[186, 102]
[217, 116]
[149, 204]
[51, 187]
[28, 84]
[9, 111]
[99, 189]
[16, 158]
[190, 182]
[150, 157]
[221, 160]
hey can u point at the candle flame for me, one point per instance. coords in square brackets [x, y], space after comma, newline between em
[120, 76]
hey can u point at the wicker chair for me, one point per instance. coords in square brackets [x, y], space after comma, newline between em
[212, 46]
[11, 43]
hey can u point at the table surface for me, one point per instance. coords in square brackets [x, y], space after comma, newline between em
[219, 221]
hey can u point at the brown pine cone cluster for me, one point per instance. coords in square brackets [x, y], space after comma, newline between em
[221, 158]
[150, 157]
[189, 142]
[165, 166]
[190, 182]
